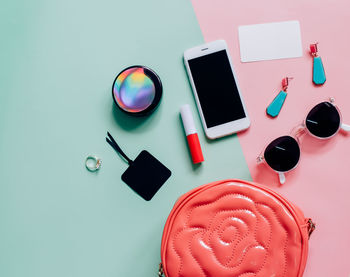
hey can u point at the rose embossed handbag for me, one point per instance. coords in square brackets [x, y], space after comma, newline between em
[234, 228]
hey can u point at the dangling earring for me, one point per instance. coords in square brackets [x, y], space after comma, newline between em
[318, 75]
[276, 105]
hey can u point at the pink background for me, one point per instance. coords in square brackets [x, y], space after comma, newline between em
[321, 184]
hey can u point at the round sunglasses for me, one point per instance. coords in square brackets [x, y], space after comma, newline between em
[283, 154]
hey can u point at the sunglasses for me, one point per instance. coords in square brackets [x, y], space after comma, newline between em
[283, 154]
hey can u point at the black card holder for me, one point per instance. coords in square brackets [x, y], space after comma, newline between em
[146, 175]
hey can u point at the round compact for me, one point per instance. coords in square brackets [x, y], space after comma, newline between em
[137, 90]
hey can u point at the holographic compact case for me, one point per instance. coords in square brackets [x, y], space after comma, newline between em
[137, 90]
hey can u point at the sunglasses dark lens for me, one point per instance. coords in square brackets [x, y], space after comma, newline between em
[282, 154]
[323, 120]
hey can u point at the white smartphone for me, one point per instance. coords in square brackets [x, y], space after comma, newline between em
[216, 89]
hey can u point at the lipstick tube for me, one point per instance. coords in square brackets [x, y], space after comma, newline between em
[191, 134]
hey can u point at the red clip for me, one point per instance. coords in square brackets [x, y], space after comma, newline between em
[285, 83]
[313, 49]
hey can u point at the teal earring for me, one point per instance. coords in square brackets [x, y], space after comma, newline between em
[275, 107]
[318, 74]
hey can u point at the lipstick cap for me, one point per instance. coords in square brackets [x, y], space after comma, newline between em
[187, 120]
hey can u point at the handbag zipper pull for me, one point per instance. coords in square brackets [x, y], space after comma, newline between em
[160, 270]
[310, 226]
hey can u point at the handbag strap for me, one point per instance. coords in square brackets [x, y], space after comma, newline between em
[310, 226]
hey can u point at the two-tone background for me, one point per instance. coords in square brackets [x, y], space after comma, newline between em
[58, 62]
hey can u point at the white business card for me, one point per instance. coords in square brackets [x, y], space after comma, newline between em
[270, 41]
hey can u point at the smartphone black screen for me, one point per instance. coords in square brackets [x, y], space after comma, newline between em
[216, 88]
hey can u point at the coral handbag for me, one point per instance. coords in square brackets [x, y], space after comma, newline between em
[234, 228]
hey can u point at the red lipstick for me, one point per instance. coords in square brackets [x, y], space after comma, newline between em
[191, 134]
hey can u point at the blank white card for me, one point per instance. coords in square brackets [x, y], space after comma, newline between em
[270, 41]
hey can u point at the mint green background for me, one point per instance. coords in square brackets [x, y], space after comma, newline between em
[58, 62]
